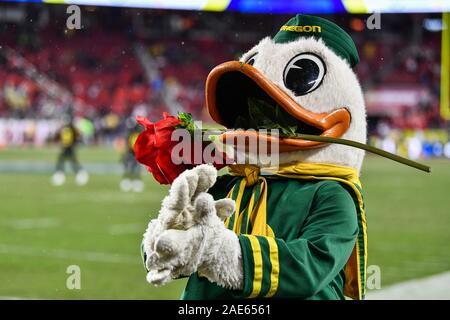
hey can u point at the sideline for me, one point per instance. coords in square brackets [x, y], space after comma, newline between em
[436, 287]
[70, 254]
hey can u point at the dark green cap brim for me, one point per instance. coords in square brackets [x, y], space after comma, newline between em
[334, 37]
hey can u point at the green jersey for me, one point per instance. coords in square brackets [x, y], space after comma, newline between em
[315, 227]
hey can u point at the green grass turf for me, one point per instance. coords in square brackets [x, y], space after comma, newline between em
[92, 154]
[44, 229]
[408, 215]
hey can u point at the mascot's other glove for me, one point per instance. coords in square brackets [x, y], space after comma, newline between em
[189, 234]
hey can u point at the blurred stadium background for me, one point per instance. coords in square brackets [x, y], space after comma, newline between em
[131, 61]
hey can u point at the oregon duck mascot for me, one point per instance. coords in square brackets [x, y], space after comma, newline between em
[292, 230]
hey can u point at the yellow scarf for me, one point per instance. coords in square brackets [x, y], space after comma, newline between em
[255, 212]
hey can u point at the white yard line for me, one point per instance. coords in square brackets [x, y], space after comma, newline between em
[30, 166]
[39, 223]
[435, 287]
[131, 228]
[14, 298]
[70, 254]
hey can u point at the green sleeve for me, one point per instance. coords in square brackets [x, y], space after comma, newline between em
[304, 266]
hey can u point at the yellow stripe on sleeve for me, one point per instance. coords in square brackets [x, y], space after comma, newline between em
[258, 262]
[274, 261]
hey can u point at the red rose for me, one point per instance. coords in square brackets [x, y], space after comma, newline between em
[153, 148]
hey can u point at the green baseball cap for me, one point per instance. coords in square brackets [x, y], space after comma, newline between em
[334, 37]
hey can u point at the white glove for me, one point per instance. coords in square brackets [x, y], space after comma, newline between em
[189, 234]
[177, 208]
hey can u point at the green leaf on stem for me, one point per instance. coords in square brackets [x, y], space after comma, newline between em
[187, 122]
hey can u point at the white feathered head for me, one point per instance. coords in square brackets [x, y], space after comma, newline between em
[305, 74]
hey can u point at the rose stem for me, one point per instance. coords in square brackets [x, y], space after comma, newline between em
[366, 147]
[358, 145]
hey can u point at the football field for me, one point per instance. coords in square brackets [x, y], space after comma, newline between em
[46, 229]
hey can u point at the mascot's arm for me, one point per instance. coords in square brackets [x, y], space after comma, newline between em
[189, 234]
[303, 267]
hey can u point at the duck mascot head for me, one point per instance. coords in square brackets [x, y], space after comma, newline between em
[292, 230]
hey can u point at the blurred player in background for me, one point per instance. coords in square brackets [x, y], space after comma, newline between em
[68, 137]
[131, 180]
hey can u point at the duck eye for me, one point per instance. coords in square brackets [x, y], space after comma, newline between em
[251, 59]
[304, 73]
